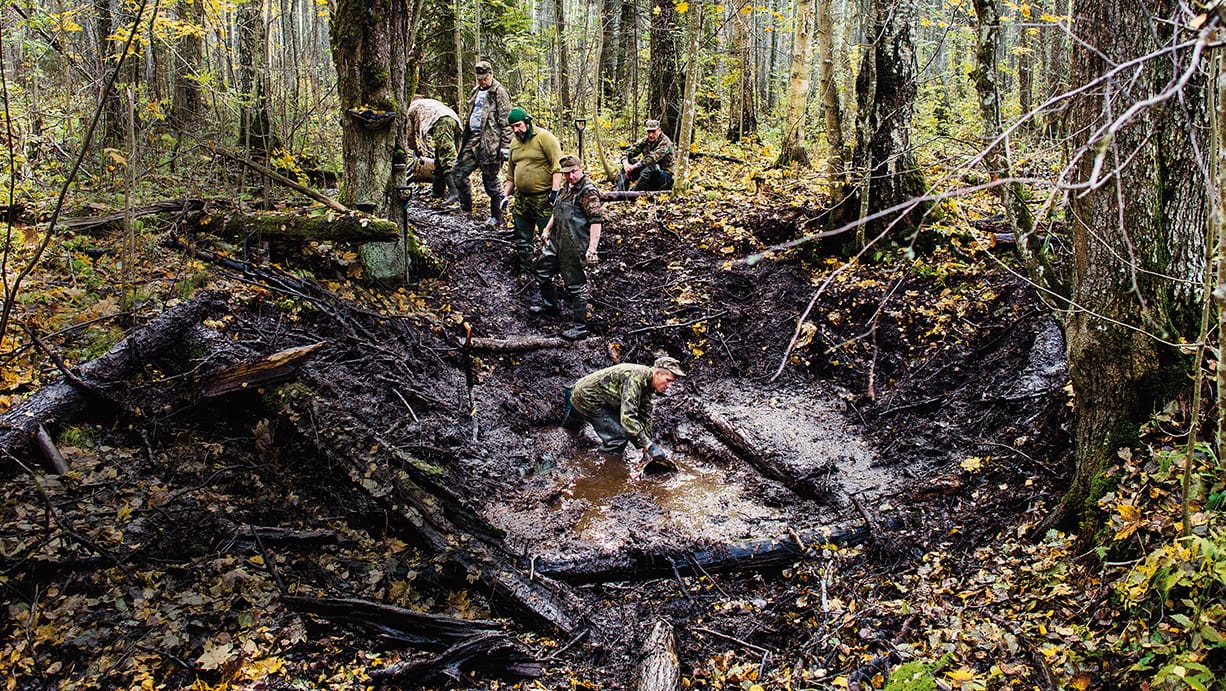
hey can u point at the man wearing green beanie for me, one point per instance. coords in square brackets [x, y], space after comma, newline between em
[534, 176]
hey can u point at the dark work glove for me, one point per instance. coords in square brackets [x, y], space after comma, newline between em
[505, 154]
[506, 201]
[553, 196]
[655, 452]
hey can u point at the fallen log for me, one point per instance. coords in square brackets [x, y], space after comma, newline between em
[627, 195]
[408, 627]
[352, 226]
[766, 464]
[271, 369]
[755, 555]
[659, 669]
[492, 653]
[49, 451]
[516, 344]
[416, 495]
[62, 401]
[86, 223]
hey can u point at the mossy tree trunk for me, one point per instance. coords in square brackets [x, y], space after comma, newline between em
[188, 106]
[742, 113]
[1138, 221]
[372, 42]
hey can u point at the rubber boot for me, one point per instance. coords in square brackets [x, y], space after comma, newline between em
[549, 299]
[453, 195]
[578, 330]
[438, 184]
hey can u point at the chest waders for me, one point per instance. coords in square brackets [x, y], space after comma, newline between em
[564, 254]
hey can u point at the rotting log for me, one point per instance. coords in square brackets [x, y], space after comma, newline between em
[62, 402]
[408, 627]
[659, 668]
[333, 226]
[416, 495]
[766, 464]
[755, 555]
[516, 344]
[166, 206]
[630, 195]
[271, 369]
[491, 653]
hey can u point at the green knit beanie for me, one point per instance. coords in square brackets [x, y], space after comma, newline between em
[517, 115]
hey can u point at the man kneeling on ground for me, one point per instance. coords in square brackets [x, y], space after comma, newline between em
[617, 402]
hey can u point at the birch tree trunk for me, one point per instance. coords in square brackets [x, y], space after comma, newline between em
[832, 112]
[742, 116]
[693, 73]
[793, 149]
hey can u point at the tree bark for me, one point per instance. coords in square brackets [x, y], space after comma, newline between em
[187, 109]
[996, 155]
[255, 125]
[742, 115]
[665, 92]
[565, 110]
[885, 91]
[689, 107]
[793, 148]
[659, 668]
[831, 110]
[1138, 234]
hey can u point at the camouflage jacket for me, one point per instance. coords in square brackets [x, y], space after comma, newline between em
[495, 132]
[659, 152]
[621, 389]
[422, 115]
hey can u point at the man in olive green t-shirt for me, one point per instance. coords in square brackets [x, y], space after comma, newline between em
[534, 175]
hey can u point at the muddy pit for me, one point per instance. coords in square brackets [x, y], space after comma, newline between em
[557, 498]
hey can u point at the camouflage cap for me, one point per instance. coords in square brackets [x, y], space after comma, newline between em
[669, 363]
[483, 67]
[652, 125]
[569, 162]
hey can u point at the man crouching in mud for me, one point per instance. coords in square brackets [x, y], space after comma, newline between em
[617, 401]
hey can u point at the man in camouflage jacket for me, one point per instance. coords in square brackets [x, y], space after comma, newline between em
[435, 128]
[617, 402]
[487, 138]
[649, 163]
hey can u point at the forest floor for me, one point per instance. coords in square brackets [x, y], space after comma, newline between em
[923, 410]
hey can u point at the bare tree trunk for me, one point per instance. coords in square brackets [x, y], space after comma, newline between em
[565, 105]
[836, 145]
[113, 111]
[607, 69]
[693, 72]
[793, 148]
[885, 90]
[996, 157]
[1025, 68]
[187, 109]
[255, 126]
[458, 39]
[665, 91]
[1138, 232]
[742, 116]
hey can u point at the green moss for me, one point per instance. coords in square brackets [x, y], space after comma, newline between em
[79, 437]
[916, 675]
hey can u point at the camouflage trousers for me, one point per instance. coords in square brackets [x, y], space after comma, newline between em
[530, 214]
[465, 164]
[442, 138]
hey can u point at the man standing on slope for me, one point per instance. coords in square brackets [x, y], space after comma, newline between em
[487, 136]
